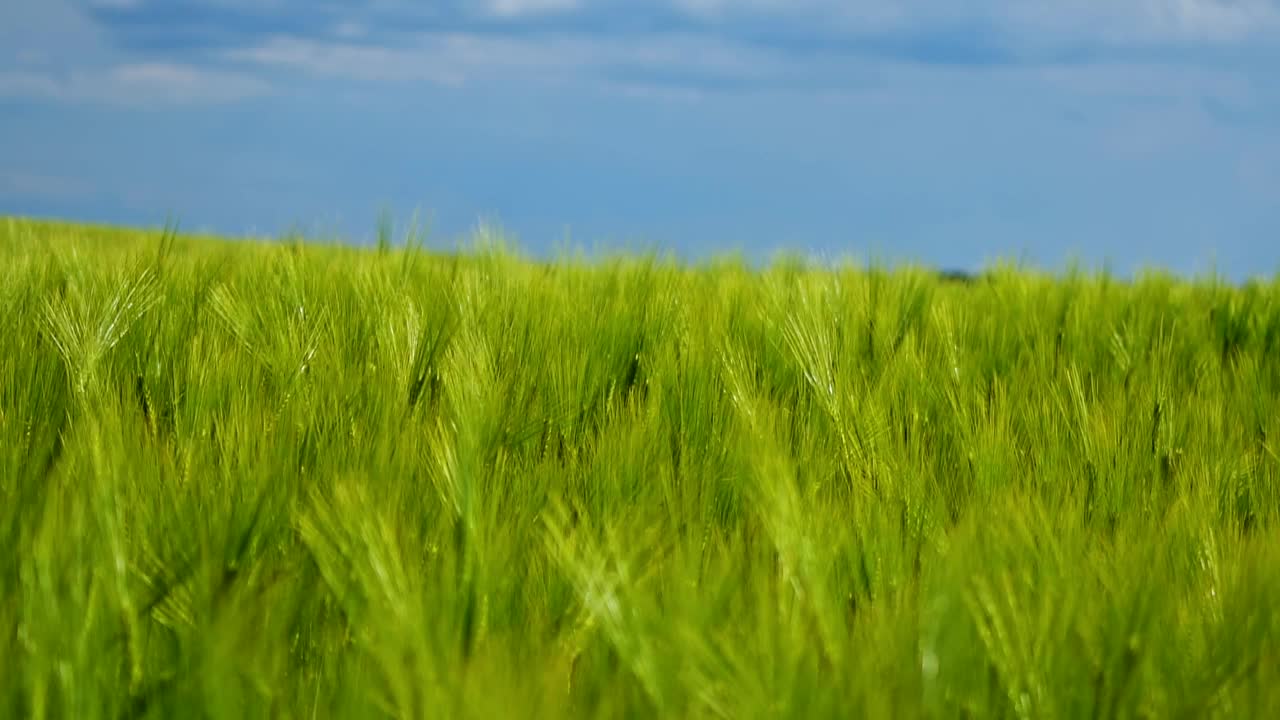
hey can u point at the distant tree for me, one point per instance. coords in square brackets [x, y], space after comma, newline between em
[963, 277]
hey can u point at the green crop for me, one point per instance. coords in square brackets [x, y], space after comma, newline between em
[278, 479]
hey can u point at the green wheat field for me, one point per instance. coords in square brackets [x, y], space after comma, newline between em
[247, 479]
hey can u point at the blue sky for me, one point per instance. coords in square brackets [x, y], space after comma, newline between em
[1129, 132]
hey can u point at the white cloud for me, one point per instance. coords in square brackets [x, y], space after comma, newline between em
[657, 64]
[146, 84]
[1141, 22]
[687, 65]
[1026, 22]
[1210, 19]
[351, 61]
[1031, 21]
[521, 8]
[458, 58]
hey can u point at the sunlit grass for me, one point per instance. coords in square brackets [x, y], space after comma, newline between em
[279, 480]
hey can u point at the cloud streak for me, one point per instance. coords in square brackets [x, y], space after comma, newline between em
[1018, 29]
[150, 52]
[134, 84]
[459, 58]
[703, 45]
[1027, 23]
